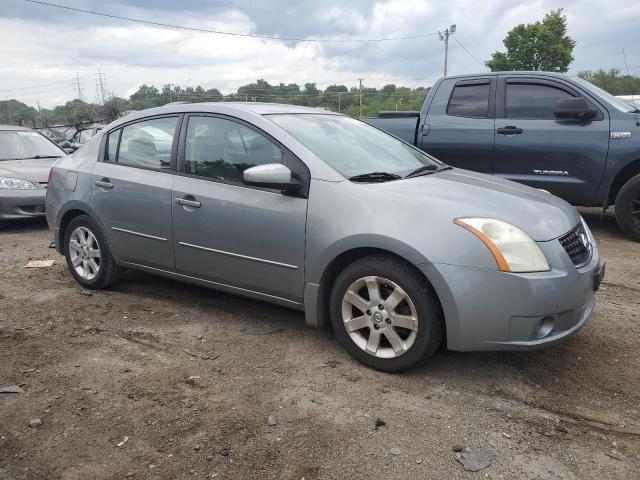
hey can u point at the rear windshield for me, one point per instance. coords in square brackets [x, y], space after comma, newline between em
[350, 146]
[22, 144]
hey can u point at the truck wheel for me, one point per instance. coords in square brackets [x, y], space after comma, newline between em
[88, 256]
[385, 314]
[628, 208]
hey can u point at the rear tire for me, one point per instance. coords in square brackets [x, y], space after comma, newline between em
[385, 314]
[628, 208]
[88, 255]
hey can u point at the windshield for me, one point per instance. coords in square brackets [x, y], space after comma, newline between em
[616, 102]
[19, 144]
[352, 147]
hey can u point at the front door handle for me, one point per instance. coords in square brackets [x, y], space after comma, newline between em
[188, 201]
[509, 130]
[104, 183]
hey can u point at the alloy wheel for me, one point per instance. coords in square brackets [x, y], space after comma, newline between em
[380, 317]
[84, 253]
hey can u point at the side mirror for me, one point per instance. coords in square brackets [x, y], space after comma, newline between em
[577, 108]
[271, 175]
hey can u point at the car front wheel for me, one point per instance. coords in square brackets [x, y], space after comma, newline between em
[386, 314]
[628, 208]
[88, 256]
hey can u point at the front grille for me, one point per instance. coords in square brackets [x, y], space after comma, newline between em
[577, 245]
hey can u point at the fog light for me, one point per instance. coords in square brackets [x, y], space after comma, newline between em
[544, 327]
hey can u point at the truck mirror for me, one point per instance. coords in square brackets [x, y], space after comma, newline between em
[577, 108]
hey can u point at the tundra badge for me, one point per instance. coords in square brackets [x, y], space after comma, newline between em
[620, 135]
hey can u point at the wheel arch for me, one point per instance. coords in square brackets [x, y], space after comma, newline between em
[319, 315]
[72, 210]
[625, 174]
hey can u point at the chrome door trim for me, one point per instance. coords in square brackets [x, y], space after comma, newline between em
[237, 255]
[223, 285]
[153, 237]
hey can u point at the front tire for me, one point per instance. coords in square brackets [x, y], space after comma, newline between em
[385, 314]
[88, 256]
[628, 208]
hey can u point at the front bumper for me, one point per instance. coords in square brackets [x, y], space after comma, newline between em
[22, 203]
[493, 310]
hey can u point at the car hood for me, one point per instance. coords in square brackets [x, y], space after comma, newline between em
[34, 170]
[461, 193]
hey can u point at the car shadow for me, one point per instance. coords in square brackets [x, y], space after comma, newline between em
[23, 225]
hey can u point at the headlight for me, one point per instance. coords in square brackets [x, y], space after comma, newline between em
[513, 249]
[16, 184]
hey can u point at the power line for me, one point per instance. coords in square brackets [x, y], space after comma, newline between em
[33, 86]
[471, 54]
[219, 32]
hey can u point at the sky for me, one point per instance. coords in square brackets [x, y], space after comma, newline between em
[43, 48]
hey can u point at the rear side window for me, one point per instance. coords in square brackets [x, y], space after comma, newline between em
[147, 144]
[223, 149]
[112, 146]
[470, 100]
[533, 101]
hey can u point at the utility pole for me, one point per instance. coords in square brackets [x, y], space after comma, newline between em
[339, 99]
[100, 85]
[444, 36]
[360, 79]
[79, 86]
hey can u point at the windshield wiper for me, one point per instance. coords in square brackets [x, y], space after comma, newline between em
[375, 177]
[38, 157]
[427, 169]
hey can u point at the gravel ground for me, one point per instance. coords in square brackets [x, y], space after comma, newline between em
[157, 379]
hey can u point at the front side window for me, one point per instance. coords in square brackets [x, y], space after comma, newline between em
[148, 144]
[223, 149]
[533, 101]
[470, 100]
[352, 147]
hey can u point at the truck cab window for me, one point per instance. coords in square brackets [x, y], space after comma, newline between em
[470, 100]
[532, 101]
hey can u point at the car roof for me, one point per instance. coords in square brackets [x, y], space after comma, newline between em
[527, 73]
[16, 128]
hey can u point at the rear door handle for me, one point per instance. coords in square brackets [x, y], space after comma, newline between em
[509, 130]
[188, 201]
[104, 183]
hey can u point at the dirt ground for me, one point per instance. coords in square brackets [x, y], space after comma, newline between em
[188, 377]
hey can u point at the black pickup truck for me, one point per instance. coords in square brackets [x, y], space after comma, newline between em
[550, 131]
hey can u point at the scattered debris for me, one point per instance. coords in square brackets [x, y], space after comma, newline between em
[205, 356]
[395, 451]
[40, 263]
[11, 389]
[29, 370]
[506, 435]
[197, 448]
[124, 440]
[330, 364]
[614, 454]
[379, 423]
[125, 370]
[151, 465]
[130, 474]
[52, 244]
[457, 448]
[272, 420]
[36, 422]
[225, 452]
[86, 292]
[475, 461]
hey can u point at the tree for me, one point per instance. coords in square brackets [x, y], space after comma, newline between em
[612, 81]
[536, 46]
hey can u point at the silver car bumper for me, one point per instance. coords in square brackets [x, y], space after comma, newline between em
[493, 310]
[21, 203]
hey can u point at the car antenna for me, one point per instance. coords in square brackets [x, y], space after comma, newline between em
[633, 99]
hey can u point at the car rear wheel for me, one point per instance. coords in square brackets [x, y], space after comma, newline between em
[628, 208]
[88, 256]
[386, 314]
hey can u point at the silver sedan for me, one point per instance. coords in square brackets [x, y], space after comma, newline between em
[325, 214]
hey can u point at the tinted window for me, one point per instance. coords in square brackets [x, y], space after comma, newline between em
[112, 145]
[530, 100]
[470, 101]
[148, 144]
[223, 149]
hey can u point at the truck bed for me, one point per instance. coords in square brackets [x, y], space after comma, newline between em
[403, 125]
